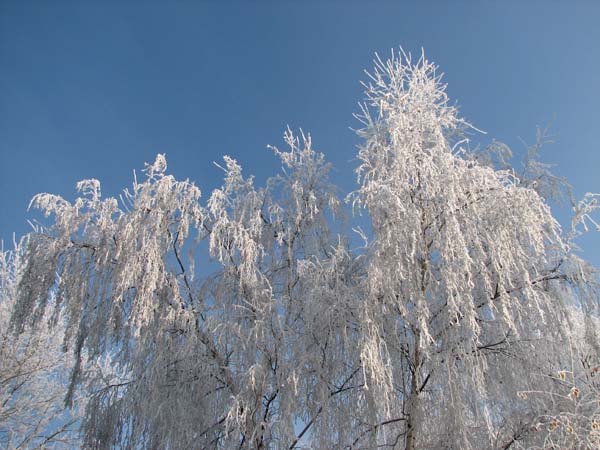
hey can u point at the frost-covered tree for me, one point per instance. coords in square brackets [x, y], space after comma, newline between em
[33, 375]
[465, 270]
[246, 322]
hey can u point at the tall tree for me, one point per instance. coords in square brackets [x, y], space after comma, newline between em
[247, 323]
[467, 271]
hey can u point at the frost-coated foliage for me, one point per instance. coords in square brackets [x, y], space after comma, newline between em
[568, 399]
[33, 376]
[246, 322]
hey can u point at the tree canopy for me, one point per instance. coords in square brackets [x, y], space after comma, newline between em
[251, 321]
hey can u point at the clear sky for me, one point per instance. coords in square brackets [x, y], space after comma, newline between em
[95, 89]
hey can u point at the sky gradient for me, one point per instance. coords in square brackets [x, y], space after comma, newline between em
[95, 89]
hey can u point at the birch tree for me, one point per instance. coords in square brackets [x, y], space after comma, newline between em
[246, 322]
[465, 274]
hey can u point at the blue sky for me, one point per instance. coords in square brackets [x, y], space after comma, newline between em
[96, 89]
